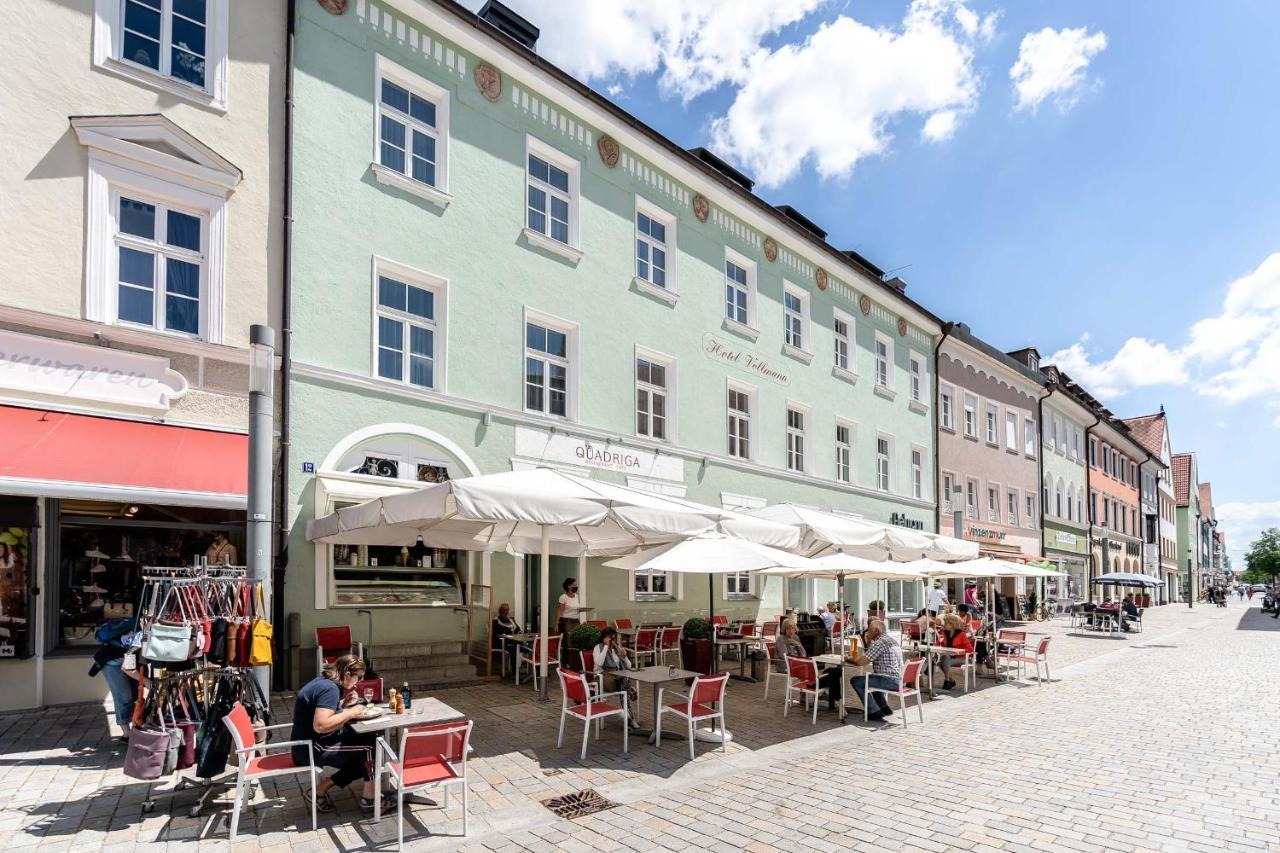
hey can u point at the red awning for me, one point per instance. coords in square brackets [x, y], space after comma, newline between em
[80, 452]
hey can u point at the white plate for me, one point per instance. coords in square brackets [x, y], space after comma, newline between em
[373, 713]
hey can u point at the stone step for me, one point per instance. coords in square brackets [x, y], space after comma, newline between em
[425, 674]
[417, 650]
[385, 662]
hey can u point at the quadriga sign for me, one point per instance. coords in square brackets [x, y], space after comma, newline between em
[540, 446]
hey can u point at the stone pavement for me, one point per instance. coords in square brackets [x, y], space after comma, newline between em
[1157, 741]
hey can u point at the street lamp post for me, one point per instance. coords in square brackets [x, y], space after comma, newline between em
[262, 353]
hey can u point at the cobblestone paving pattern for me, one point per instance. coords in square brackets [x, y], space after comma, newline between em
[1158, 741]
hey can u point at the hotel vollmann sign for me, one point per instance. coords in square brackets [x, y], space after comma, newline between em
[718, 349]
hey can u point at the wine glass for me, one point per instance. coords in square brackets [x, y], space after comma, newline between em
[368, 696]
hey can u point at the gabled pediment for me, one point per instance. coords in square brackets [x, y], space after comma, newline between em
[157, 143]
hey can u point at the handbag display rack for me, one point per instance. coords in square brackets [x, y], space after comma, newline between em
[201, 629]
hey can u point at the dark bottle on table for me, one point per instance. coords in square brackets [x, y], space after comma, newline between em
[407, 694]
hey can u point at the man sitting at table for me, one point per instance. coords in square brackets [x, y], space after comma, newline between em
[1128, 611]
[788, 644]
[321, 713]
[885, 657]
[503, 624]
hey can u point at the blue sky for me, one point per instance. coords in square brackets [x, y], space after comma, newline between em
[1120, 191]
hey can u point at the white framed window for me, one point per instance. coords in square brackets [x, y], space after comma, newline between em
[1011, 431]
[1093, 452]
[795, 319]
[651, 584]
[741, 405]
[740, 292]
[739, 585]
[1030, 519]
[178, 46]
[1080, 506]
[971, 498]
[1053, 433]
[947, 416]
[409, 321]
[411, 132]
[1012, 506]
[884, 361]
[844, 451]
[1058, 496]
[993, 502]
[156, 224]
[843, 333]
[655, 387]
[917, 473]
[1029, 438]
[919, 380]
[655, 238]
[948, 492]
[796, 438]
[992, 425]
[1071, 502]
[551, 198]
[970, 416]
[884, 462]
[550, 365]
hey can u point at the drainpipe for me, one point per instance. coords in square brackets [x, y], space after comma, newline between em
[1088, 481]
[281, 676]
[937, 404]
[1040, 463]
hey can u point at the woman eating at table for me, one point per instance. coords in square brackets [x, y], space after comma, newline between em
[321, 713]
[952, 636]
[788, 644]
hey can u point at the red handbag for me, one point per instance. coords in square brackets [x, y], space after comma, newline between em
[200, 616]
[244, 628]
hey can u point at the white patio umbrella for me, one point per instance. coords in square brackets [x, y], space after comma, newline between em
[541, 511]
[823, 533]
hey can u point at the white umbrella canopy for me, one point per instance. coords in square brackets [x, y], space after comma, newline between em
[1009, 569]
[949, 548]
[826, 532]
[1127, 579]
[714, 553]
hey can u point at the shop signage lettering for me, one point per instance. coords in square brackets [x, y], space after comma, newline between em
[1064, 538]
[986, 533]
[38, 368]
[604, 458]
[728, 353]
[540, 447]
[902, 520]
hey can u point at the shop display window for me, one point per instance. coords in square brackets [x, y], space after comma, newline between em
[17, 559]
[391, 575]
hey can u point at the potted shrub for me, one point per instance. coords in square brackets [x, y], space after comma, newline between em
[696, 648]
[1032, 601]
[583, 638]
[875, 610]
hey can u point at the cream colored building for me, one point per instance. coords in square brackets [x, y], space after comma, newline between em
[141, 192]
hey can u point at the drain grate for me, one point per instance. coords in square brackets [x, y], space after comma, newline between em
[579, 804]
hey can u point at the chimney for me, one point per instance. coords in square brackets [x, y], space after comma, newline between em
[897, 283]
[510, 24]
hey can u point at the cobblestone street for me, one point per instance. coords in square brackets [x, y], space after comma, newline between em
[1158, 741]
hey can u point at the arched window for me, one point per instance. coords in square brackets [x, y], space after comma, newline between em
[1048, 486]
[1057, 499]
[1071, 499]
[1080, 506]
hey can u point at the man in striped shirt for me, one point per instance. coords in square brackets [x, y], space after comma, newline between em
[885, 657]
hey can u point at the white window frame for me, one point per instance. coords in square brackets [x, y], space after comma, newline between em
[737, 579]
[1071, 501]
[675, 586]
[918, 380]
[1012, 500]
[919, 480]
[797, 441]
[991, 425]
[108, 46]
[160, 251]
[972, 508]
[666, 292]
[849, 370]
[884, 382]
[570, 331]
[970, 425]
[668, 363]
[994, 511]
[948, 489]
[796, 323]
[750, 328]
[1030, 519]
[536, 147]
[439, 325]
[885, 478]
[1029, 437]
[753, 437]
[1011, 431]
[437, 193]
[197, 183]
[849, 451]
[947, 407]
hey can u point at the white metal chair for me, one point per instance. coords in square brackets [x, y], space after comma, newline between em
[533, 657]
[908, 687]
[429, 757]
[582, 703]
[704, 701]
[255, 764]
[1008, 644]
[777, 667]
[1037, 658]
[802, 678]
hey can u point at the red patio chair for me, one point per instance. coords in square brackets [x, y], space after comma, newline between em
[334, 642]
[705, 701]
[647, 644]
[587, 666]
[670, 643]
[255, 764]
[802, 678]
[837, 630]
[719, 620]
[598, 624]
[1038, 657]
[430, 757]
[910, 632]
[533, 657]
[1009, 642]
[374, 684]
[580, 703]
[622, 624]
[910, 686]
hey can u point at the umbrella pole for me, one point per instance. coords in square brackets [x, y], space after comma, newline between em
[544, 570]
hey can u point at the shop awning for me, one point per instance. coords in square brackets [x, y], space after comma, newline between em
[55, 454]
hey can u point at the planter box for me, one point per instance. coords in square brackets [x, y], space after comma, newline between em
[697, 655]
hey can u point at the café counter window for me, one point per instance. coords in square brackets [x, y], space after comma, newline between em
[390, 576]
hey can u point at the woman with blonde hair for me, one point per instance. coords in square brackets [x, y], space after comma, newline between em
[952, 636]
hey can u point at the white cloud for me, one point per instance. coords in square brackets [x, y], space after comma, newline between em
[1052, 64]
[1234, 355]
[1242, 522]
[694, 46]
[830, 99]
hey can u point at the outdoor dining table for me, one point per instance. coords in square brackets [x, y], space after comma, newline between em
[847, 666]
[941, 650]
[426, 711]
[525, 639]
[742, 643]
[656, 675]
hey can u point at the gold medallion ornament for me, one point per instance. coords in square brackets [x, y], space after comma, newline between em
[902, 326]
[489, 82]
[608, 148]
[333, 7]
[701, 207]
[864, 304]
[770, 249]
[820, 276]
